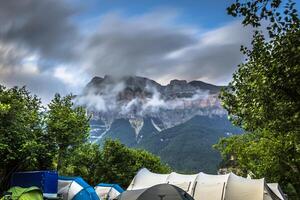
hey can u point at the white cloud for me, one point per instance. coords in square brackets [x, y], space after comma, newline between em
[160, 49]
[50, 53]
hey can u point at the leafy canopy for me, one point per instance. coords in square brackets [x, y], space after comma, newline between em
[33, 138]
[67, 125]
[113, 163]
[22, 144]
[264, 96]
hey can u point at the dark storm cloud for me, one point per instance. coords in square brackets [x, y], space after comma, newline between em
[130, 46]
[35, 37]
[42, 26]
[216, 56]
[157, 48]
[43, 84]
[44, 47]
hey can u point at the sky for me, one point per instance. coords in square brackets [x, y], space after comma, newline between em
[59, 45]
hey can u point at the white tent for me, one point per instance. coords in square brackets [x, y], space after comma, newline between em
[210, 187]
[108, 191]
[75, 188]
[182, 181]
[274, 187]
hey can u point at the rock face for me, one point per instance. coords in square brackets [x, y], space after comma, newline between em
[142, 113]
[133, 97]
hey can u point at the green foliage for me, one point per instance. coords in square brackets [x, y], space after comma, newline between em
[21, 134]
[254, 12]
[121, 163]
[114, 163]
[34, 139]
[187, 148]
[264, 97]
[83, 161]
[68, 126]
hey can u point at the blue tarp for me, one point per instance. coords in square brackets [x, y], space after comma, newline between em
[87, 192]
[45, 180]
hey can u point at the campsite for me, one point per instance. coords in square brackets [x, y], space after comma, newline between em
[150, 100]
[145, 185]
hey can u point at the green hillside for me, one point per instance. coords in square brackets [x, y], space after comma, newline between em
[188, 147]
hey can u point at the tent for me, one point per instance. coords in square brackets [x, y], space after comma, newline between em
[45, 180]
[31, 193]
[108, 191]
[274, 187]
[75, 188]
[157, 192]
[209, 187]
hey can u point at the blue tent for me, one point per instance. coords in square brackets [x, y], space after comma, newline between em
[75, 188]
[108, 191]
[45, 180]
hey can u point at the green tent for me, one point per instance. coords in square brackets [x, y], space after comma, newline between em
[31, 193]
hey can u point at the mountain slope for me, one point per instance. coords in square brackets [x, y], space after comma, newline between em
[179, 121]
[188, 146]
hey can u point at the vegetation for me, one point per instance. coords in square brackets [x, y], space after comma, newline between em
[187, 147]
[114, 163]
[33, 138]
[264, 96]
[195, 138]
[67, 126]
[21, 133]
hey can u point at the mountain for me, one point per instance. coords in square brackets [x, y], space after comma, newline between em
[188, 147]
[179, 121]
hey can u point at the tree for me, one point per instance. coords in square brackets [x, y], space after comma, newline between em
[119, 164]
[264, 96]
[21, 133]
[113, 163]
[67, 125]
[83, 161]
[32, 138]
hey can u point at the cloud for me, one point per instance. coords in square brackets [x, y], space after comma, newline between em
[44, 27]
[44, 46]
[133, 45]
[156, 48]
[36, 37]
[104, 102]
[114, 98]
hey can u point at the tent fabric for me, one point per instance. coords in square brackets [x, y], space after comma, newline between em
[31, 193]
[108, 191]
[157, 192]
[146, 179]
[274, 187]
[75, 188]
[208, 187]
[45, 180]
[182, 181]
[243, 188]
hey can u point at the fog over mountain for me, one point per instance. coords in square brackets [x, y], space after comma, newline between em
[181, 119]
[134, 97]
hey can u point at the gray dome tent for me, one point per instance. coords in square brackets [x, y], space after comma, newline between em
[157, 192]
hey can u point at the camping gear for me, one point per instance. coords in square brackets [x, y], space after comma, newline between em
[108, 191]
[75, 188]
[275, 188]
[157, 192]
[19, 193]
[210, 187]
[45, 180]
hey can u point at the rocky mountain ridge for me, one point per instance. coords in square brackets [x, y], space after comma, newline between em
[180, 120]
[134, 98]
